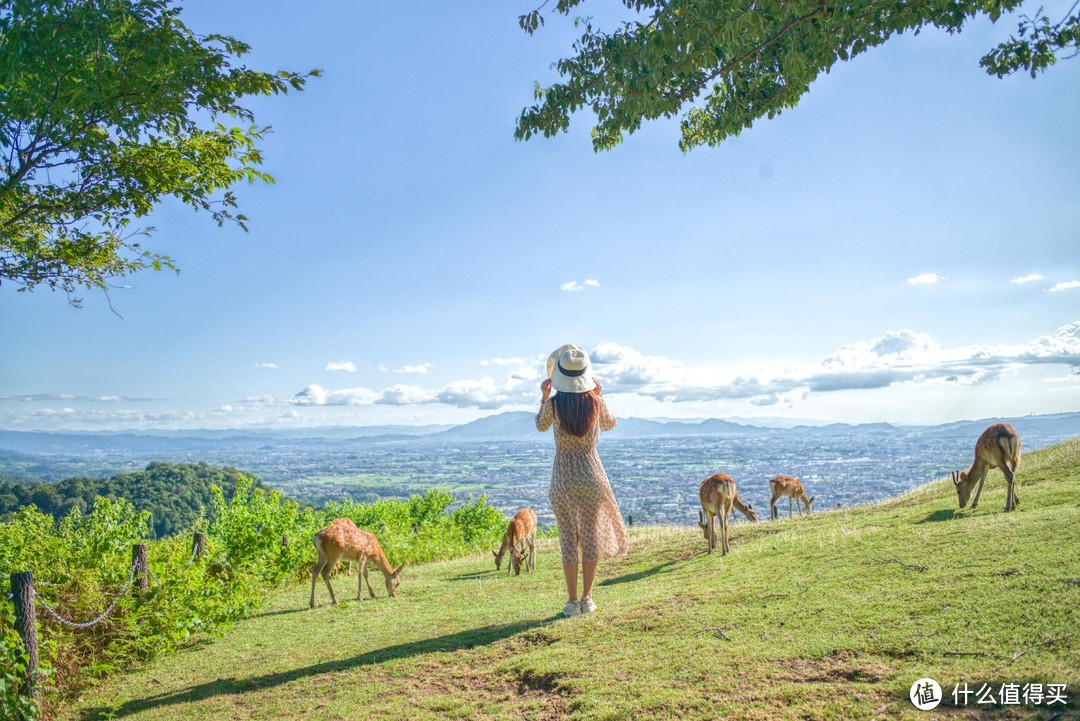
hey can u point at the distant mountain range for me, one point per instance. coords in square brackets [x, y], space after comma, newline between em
[510, 426]
[520, 425]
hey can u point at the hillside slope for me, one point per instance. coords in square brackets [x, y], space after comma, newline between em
[832, 616]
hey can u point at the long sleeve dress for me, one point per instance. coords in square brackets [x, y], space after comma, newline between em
[590, 522]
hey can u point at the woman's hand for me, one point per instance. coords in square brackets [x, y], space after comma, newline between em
[545, 390]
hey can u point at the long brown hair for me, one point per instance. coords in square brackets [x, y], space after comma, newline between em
[577, 412]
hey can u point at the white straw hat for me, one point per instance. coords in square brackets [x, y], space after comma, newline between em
[570, 370]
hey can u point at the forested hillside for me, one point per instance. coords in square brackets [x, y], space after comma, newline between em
[174, 493]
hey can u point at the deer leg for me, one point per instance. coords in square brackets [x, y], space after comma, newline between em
[326, 579]
[978, 491]
[364, 573]
[723, 534]
[315, 577]
[772, 509]
[1010, 499]
[789, 506]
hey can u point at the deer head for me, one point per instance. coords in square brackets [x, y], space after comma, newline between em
[394, 580]
[498, 559]
[701, 524]
[750, 512]
[810, 503]
[517, 560]
[963, 488]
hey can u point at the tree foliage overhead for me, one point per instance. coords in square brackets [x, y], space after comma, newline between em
[725, 63]
[107, 107]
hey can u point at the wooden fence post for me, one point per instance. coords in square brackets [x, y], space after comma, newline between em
[630, 520]
[139, 560]
[198, 545]
[22, 589]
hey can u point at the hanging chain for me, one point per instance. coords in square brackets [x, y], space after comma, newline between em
[74, 624]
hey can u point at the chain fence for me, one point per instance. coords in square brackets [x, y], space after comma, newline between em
[75, 624]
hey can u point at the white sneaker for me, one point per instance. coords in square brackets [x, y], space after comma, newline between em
[572, 608]
[586, 605]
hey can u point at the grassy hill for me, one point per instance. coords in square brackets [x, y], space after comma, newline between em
[828, 617]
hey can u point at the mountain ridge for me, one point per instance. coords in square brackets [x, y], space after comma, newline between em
[509, 425]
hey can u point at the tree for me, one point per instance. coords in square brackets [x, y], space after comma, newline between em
[726, 63]
[107, 107]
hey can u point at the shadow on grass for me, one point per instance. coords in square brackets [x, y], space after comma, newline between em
[477, 575]
[235, 686]
[946, 514]
[282, 612]
[631, 577]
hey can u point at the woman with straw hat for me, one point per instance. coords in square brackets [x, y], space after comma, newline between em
[590, 522]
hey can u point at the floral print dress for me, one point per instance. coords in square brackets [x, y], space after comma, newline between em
[590, 522]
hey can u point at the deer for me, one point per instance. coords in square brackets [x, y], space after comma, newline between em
[719, 499]
[792, 488]
[343, 540]
[520, 540]
[997, 447]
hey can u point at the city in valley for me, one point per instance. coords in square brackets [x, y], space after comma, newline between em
[654, 468]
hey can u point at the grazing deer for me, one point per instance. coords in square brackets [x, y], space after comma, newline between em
[744, 508]
[719, 499]
[520, 540]
[792, 488]
[343, 540]
[997, 447]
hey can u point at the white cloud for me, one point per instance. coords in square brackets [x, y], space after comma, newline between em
[573, 286]
[901, 356]
[272, 366]
[516, 361]
[316, 395]
[1026, 278]
[484, 393]
[524, 373]
[1068, 285]
[68, 397]
[346, 366]
[404, 395]
[926, 279]
[421, 368]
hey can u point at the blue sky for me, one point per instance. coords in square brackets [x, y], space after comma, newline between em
[901, 247]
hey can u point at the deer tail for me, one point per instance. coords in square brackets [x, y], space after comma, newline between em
[1010, 444]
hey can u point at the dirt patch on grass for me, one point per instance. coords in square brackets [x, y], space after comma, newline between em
[526, 695]
[841, 667]
[536, 638]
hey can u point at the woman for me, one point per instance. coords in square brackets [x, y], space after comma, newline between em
[585, 508]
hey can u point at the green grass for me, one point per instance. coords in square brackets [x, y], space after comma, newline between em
[827, 617]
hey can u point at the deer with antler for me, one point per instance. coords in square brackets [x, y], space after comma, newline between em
[343, 540]
[997, 447]
[719, 498]
[520, 540]
[792, 488]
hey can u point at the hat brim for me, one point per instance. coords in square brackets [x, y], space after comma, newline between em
[581, 384]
